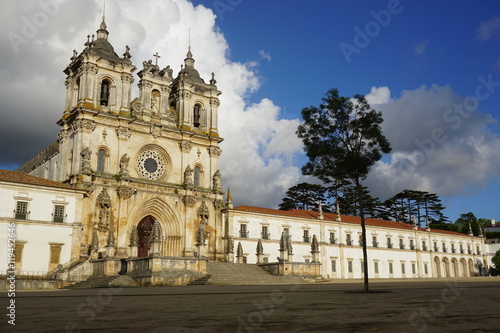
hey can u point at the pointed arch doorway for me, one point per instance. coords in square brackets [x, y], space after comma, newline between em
[144, 229]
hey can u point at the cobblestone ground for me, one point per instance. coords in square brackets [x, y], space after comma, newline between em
[444, 305]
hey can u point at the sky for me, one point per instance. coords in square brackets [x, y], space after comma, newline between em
[431, 67]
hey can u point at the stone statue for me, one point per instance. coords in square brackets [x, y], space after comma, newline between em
[201, 233]
[86, 159]
[217, 181]
[124, 161]
[188, 177]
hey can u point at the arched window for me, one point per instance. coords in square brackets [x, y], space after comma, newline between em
[105, 87]
[196, 176]
[197, 115]
[101, 160]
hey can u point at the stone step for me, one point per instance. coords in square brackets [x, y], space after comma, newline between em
[105, 282]
[223, 273]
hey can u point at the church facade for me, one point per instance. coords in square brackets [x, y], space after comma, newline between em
[151, 160]
[146, 175]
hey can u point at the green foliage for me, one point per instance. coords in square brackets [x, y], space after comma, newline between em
[303, 196]
[443, 226]
[469, 220]
[493, 234]
[495, 269]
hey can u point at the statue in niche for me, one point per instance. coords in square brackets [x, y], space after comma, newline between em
[86, 159]
[104, 210]
[188, 177]
[201, 233]
[124, 162]
[155, 101]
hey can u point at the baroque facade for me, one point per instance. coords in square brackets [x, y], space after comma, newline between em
[150, 160]
[146, 180]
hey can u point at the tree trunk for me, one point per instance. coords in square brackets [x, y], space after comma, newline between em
[363, 234]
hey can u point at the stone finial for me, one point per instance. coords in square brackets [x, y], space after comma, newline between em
[239, 251]
[337, 209]
[229, 200]
[127, 54]
[283, 243]
[212, 80]
[427, 227]
[314, 245]
[470, 230]
[155, 233]
[95, 241]
[320, 211]
[480, 234]
[414, 223]
[260, 248]
[110, 240]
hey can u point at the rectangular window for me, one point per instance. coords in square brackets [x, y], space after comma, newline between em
[403, 268]
[245, 260]
[453, 248]
[55, 254]
[412, 245]
[286, 232]
[265, 233]
[468, 249]
[435, 246]
[477, 250]
[348, 240]
[374, 241]
[332, 238]
[401, 244]
[265, 260]
[58, 213]
[389, 243]
[424, 246]
[306, 236]
[21, 210]
[334, 265]
[349, 266]
[243, 231]
[461, 249]
[413, 268]
[391, 270]
[375, 266]
[444, 247]
[426, 271]
[307, 261]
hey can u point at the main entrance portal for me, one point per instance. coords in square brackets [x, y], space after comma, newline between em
[144, 231]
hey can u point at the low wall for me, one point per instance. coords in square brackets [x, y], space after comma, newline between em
[299, 269]
[166, 271]
[29, 285]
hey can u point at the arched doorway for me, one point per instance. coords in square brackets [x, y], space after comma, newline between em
[454, 268]
[144, 229]
[464, 267]
[437, 267]
[446, 267]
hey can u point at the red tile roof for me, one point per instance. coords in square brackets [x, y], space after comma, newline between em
[21, 178]
[333, 217]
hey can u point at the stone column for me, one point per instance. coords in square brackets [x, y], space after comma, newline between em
[239, 254]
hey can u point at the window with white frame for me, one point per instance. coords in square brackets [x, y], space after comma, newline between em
[58, 215]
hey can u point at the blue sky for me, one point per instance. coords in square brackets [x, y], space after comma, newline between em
[423, 43]
[416, 63]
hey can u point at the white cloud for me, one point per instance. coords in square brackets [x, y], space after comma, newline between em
[489, 29]
[265, 55]
[258, 148]
[421, 48]
[432, 153]
[380, 95]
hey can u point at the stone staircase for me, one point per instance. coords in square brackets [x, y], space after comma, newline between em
[224, 273]
[104, 282]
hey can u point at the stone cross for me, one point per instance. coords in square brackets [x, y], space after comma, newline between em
[156, 56]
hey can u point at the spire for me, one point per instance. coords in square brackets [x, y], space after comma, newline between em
[260, 248]
[102, 33]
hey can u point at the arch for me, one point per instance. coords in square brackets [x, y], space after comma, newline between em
[198, 175]
[454, 267]
[446, 267]
[197, 115]
[144, 229]
[472, 271]
[104, 92]
[437, 267]
[463, 267]
[169, 219]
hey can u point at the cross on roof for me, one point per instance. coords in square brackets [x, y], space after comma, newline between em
[156, 56]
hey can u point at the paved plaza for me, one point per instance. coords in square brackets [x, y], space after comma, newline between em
[438, 305]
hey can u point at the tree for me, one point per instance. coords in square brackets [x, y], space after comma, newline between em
[469, 219]
[303, 196]
[495, 269]
[343, 140]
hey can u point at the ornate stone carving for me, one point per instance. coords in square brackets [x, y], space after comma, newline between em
[136, 106]
[186, 94]
[85, 125]
[219, 204]
[185, 146]
[86, 168]
[188, 177]
[104, 210]
[123, 133]
[201, 233]
[155, 130]
[189, 201]
[171, 114]
[62, 135]
[214, 101]
[214, 151]
[124, 192]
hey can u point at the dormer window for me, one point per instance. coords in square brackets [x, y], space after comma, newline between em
[197, 115]
[105, 87]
